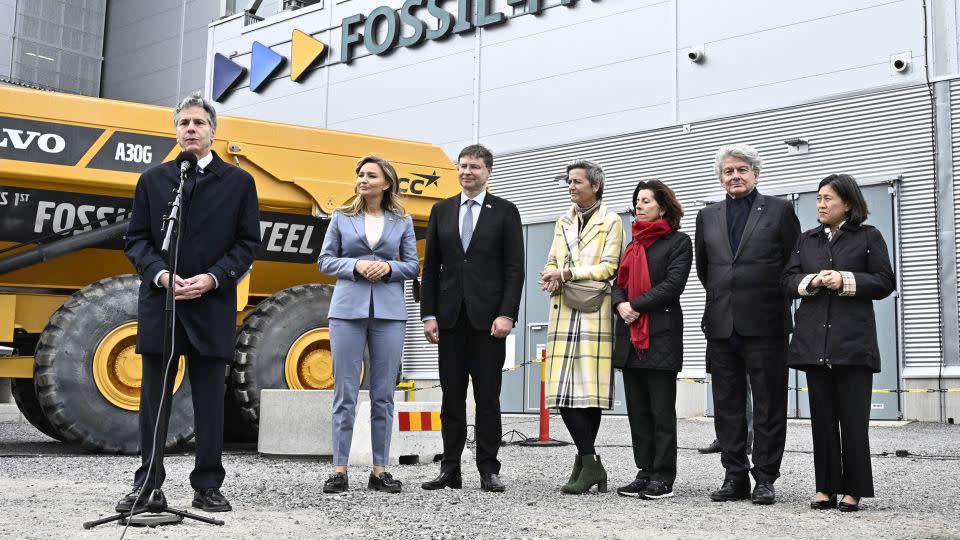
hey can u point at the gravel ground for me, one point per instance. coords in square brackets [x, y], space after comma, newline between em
[47, 489]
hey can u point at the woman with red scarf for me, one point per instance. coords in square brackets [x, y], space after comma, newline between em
[648, 334]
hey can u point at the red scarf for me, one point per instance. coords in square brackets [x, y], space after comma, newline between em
[634, 274]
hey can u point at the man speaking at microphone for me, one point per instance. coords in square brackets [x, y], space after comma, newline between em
[219, 237]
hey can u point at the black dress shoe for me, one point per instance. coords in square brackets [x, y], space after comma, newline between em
[732, 490]
[491, 482]
[211, 500]
[384, 482]
[849, 507]
[824, 505]
[126, 503]
[450, 479]
[711, 448]
[336, 483]
[763, 493]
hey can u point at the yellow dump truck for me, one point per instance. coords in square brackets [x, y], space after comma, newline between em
[68, 296]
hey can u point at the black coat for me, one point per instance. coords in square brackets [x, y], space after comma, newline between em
[833, 329]
[488, 278]
[669, 260]
[221, 236]
[743, 288]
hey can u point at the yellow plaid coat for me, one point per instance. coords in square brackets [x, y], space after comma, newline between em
[580, 345]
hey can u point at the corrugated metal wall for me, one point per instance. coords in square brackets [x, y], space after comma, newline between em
[878, 134]
[955, 139]
[419, 357]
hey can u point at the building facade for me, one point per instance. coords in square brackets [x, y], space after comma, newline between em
[650, 89]
[53, 44]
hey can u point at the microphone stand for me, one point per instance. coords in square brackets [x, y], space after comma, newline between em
[156, 503]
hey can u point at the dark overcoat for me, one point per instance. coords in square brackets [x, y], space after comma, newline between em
[221, 235]
[669, 260]
[830, 328]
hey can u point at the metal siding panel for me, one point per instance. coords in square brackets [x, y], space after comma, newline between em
[955, 140]
[874, 134]
[419, 357]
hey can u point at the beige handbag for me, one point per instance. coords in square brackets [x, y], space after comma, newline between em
[585, 294]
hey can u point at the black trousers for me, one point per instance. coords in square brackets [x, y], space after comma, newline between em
[840, 399]
[467, 353]
[763, 360]
[583, 424]
[207, 380]
[652, 409]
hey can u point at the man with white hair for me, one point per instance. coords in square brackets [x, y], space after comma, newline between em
[742, 245]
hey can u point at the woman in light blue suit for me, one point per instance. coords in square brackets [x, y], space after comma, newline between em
[371, 249]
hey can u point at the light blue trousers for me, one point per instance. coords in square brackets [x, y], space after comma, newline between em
[384, 340]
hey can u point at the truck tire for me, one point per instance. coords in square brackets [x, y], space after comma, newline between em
[25, 395]
[284, 344]
[87, 374]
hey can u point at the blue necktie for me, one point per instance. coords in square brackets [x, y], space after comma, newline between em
[466, 228]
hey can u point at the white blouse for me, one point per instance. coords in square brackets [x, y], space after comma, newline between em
[374, 228]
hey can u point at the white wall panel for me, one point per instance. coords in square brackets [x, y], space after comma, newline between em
[799, 62]
[441, 122]
[567, 103]
[379, 93]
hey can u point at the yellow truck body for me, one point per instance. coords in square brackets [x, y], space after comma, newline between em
[69, 166]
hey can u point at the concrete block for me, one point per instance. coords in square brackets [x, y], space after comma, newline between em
[928, 407]
[296, 422]
[411, 446]
[299, 423]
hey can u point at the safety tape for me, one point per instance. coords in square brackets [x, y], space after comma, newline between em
[875, 390]
[705, 381]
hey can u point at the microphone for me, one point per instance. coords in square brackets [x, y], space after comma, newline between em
[186, 161]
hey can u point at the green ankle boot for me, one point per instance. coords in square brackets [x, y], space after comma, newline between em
[577, 467]
[592, 474]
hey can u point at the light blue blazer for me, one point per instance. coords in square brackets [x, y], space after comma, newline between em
[345, 243]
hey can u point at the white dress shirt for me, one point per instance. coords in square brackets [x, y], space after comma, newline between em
[476, 209]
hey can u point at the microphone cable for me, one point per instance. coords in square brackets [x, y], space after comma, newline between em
[172, 285]
[166, 372]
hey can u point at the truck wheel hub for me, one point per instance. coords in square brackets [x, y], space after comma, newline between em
[117, 368]
[309, 363]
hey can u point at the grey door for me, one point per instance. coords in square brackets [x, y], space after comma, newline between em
[515, 392]
[885, 406]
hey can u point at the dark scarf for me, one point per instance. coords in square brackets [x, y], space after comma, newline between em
[586, 213]
[634, 274]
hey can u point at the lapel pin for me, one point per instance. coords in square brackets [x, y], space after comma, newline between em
[488, 205]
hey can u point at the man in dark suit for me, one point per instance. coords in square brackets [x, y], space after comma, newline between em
[472, 281]
[742, 245]
[220, 234]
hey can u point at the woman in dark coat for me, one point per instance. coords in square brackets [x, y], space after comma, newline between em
[838, 269]
[648, 334]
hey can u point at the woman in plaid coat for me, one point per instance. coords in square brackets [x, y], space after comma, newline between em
[586, 246]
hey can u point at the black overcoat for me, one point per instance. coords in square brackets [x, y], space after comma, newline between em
[829, 328]
[669, 260]
[221, 235]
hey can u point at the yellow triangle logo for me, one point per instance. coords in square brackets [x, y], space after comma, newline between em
[305, 52]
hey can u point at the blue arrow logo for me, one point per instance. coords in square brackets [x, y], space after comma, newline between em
[226, 73]
[263, 63]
